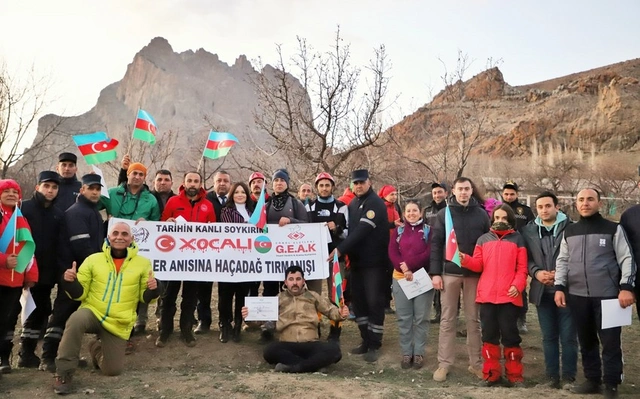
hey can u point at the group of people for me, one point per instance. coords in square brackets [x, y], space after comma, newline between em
[573, 266]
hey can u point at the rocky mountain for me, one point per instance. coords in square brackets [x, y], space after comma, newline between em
[187, 93]
[592, 111]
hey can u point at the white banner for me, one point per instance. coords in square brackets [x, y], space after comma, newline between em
[230, 252]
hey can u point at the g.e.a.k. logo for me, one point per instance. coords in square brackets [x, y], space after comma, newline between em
[262, 244]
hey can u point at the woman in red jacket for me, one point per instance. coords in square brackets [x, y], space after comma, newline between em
[501, 257]
[11, 282]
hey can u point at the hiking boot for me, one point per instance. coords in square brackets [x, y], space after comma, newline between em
[552, 383]
[489, 383]
[131, 347]
[62, 384]
[440, 374]
[418, 362]
[188, 338]
[162, 340]
[477, 372]
[225, 332]
[282, 368]
[371, 356]
[202, 328]
[47, 365]
[588, 387]
[406, 362]
[5, 364]
[610, 391]
[235, 333]
[28, 360]
[359, 350]
[140, 329]
[567, 383]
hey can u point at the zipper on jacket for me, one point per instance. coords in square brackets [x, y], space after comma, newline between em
[584, 263]
[106, 289]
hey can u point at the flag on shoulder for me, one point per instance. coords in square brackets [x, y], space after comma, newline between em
[96, 147]
[259, 216]
[146, 127]
[219, 144]
[452, 253]
[16, 239]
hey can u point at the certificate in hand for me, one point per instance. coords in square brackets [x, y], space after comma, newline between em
[420, 284]
[261, 308]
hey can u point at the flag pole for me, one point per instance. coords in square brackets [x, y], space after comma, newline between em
[130, 145]
[15, 231]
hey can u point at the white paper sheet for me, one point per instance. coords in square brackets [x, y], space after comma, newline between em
[613, 315]
[105, 190]
[420, 284]
[27, 303]
[262, 308]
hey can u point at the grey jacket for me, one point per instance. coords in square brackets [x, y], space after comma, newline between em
[595, 259]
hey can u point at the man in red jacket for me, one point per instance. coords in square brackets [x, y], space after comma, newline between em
[191, 203]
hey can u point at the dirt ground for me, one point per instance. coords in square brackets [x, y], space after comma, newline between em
[237, 370]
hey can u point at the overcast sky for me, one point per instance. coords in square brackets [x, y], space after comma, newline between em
[86, 45]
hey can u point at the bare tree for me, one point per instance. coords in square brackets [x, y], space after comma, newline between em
[21, 105]
[311, 108]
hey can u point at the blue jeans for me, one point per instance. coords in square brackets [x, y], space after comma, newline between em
[558, 328]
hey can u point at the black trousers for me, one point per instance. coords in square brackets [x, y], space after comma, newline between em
[368, 296]
[499, 324]
[37, 320]
[303, 357]
[63, 308]
[522, 312]
[9, 302]
[226, 293]
[271, 288]
[187, 306]
[254, 288]
[203, 295]
[587, 315]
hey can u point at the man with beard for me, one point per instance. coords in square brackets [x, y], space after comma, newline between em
[45, 220]
[299, 350]
[83, 235]
[69, 186]
[218, 197]
[191, 203]
[439, 195]
[327, 209]
[367, 247]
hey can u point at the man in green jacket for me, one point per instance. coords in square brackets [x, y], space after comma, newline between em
[109, 285]
[132, 200]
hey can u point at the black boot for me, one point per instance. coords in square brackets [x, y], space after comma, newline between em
[186, 332]
[49, 353]
[334, 334]
[5, 357]
[225, 332]
[237, 329]
[28, 358]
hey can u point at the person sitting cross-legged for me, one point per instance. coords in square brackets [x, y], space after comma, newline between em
[299, 350]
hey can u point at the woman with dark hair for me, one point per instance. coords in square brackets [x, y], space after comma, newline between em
[501, 258]
[237, 209]
[409, 251]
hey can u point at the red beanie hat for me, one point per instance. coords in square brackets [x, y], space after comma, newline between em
[9, 183]
[386, 190]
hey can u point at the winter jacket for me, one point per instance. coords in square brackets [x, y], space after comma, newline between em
[230, 214]
[630, 222]
[392, 213]
[215, 201]
[122, 204]
[293, 209]
[332, 211]
[68, 191]
[367, 244]
[595, 259]
[430, 212]
[523, 213]
[501, 258]
[298, 315]
[469, 223]
[82, 232]
[347, 196]
[198, 210]
[46, 228]
[7, 277]
[543, 247]
[113, 296]
[411, 248]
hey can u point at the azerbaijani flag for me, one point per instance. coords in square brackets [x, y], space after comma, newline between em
[96, 147]
[452, 253]
[146, 128]
[16, 238]
[259, 216]
[336, 288]
[219, 144]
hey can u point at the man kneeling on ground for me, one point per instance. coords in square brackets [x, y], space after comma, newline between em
[299, 350]
[109, 284]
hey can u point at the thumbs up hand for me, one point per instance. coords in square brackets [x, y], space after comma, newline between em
[71, 275]
[152, 283]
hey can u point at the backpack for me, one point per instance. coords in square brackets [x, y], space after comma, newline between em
[426, 229]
